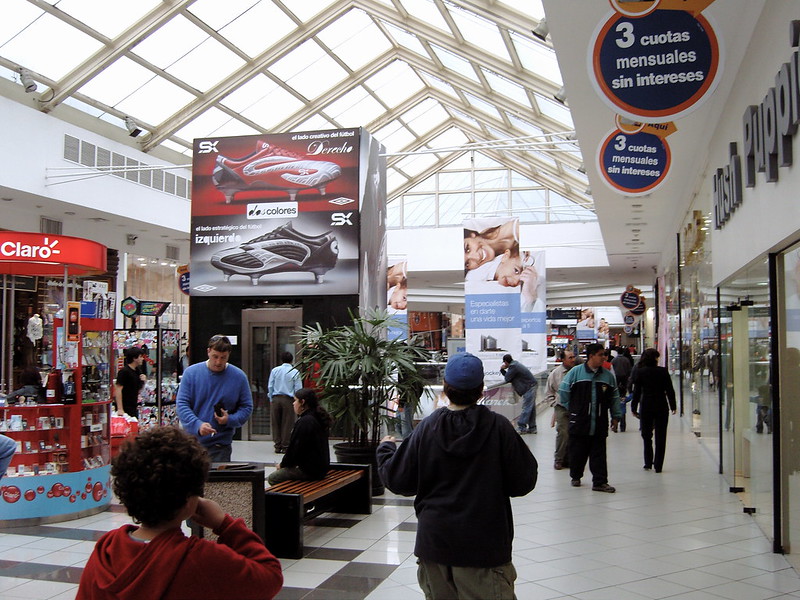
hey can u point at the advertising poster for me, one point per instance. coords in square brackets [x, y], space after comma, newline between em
[276, 214]
[533, 310]
[397, 296]
[586, 330]
[493, 266]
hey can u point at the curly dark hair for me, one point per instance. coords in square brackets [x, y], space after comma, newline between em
[156, 473]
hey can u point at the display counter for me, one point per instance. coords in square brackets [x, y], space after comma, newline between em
[60, 470]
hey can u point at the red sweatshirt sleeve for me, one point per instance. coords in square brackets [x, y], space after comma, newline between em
[253, 567]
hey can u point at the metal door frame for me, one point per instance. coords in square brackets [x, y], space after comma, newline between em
[271, 318]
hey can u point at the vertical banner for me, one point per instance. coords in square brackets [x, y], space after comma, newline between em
[278, 214]
[533, 310]
[397, 296]
[586, 330]
[492, 269]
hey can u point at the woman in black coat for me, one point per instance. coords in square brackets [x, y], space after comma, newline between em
[653, 398]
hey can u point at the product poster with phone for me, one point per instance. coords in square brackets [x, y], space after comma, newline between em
[276, 214]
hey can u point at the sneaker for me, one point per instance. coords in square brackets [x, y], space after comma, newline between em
[283, 250]
[576, 483]
[522, 431]
[558, 465]
[272, 168]
[604, 487]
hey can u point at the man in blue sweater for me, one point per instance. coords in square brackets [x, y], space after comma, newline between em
[214, 399]
[589, 392]
[462, 463]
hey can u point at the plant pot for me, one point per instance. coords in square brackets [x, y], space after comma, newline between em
[347, 452]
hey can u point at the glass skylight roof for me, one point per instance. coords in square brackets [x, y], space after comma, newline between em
[436, 74]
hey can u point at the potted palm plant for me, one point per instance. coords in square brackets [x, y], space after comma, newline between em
[357, 367]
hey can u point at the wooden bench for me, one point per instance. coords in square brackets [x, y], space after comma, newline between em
[345, 489]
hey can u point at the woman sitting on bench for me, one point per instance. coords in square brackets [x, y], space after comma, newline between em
[308, 455]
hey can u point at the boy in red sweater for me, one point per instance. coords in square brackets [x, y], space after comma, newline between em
[159, 478]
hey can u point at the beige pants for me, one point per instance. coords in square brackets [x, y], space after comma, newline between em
[440, 582]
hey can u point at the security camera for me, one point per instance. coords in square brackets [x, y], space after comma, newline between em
[132, 239]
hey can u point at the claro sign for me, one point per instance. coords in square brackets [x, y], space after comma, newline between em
[768, 130]
[24, 253]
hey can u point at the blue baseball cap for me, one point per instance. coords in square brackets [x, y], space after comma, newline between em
[464, 371]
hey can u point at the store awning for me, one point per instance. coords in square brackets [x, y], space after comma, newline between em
[24, 253]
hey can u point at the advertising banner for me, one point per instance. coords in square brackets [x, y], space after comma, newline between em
[277, 214]
[533, 311]
[493, 266]
[397, 296]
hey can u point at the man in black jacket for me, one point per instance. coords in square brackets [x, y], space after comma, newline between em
[524, 384]
[462, 463]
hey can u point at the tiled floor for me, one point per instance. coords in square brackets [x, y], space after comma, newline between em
[678, 534]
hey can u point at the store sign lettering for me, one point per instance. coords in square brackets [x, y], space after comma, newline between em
[19, 250]
[768, 130]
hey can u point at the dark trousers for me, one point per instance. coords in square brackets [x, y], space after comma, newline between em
[593, 448]
[654, 424]
[282, 416]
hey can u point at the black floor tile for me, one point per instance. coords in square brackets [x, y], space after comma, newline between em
[289, 593]
[356, 587]
[362, 569]
[331, 553]
[393, 501]
[333, 522]
[406, 527]
[85, 535]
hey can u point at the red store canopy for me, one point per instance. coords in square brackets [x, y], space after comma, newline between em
[23, 253]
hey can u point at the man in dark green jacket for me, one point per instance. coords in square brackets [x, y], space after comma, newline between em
[589, 392]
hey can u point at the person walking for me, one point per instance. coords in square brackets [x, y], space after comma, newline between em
[524, 384]
[284, 381]
[623, 365]
[214, 391]
[589, 392]
[463, 463]
[560, 417]
[653, 399]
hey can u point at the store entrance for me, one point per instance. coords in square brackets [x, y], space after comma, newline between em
[266, 333]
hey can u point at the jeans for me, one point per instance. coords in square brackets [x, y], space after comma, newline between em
[7, 449]
[527, 419]
[219, 452]
[406, 421]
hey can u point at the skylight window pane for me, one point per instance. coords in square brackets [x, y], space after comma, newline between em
[426, 185]
[30, 48]
[395, 137]
[451, 138]
[465, 117]
[479, 32]
[406, 39]
[462, 162]
[309, 70]
[115, 82]
[277, 106]
[350, 34]
[426, 11]
[455, 63]
[482, 161]
[453, 207]
[455, 180]
[394, 83]
[425, 116]
[82, 106]
[519, 180]
[554, 110]
[170, 42]
[305, 10]
[17, 14]
[217, 15]
[204, 125]
[249, 93]
[205, 65]
[415, 164]
[314, 123]
[531, 8]
[240, 31]
[419, 211]
[541, 157]
[524, 125]
[507, 88]
[490, 202]
[356, 108]
[437, 83]
[394, 181]
[482, 105]
[155, 101]
[109, 17]
[394, 215]
[537, 58]
[232, 128]
[491, 179]
[530, 206]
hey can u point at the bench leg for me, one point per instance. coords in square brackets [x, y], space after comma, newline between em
[355, 498]
[284, 525]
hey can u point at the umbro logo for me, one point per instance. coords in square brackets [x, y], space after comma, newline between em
[341, 201]
[205, 288]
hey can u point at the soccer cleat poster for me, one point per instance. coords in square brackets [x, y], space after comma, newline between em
[276, 214]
